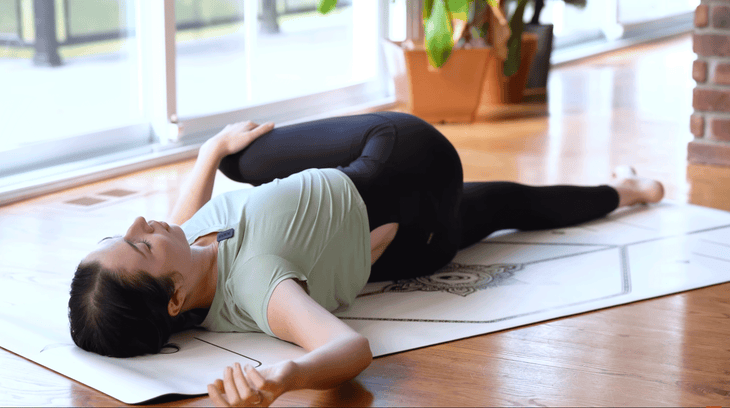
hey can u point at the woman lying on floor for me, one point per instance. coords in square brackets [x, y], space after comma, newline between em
[339, 202]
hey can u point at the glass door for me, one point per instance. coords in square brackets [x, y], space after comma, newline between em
[86, 84]
[68, 70]
[633, 12]
[573, 25]
[288, 51]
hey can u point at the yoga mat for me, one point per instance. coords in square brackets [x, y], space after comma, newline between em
[507, 280]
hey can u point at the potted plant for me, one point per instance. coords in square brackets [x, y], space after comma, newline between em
[505, 79]
[444, 77]
[537, 80]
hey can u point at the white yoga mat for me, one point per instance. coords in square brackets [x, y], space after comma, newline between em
[508, 280]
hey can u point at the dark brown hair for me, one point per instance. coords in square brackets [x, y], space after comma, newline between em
[117, 314]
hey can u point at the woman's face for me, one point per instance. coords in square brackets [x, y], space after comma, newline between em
[155, 247]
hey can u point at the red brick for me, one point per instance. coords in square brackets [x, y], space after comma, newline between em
[697, 125]
[699, 71]
[708, 153]
[712, 100]
[710, 45]
[721, 17]
[721, 130]
[722, 74]
[701, 15]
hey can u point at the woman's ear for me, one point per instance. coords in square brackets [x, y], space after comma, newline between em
[177, 300]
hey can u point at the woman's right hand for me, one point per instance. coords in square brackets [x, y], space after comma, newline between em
[251, 387]
[236, 137]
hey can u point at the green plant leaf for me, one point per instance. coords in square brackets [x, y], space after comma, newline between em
[427, 6]
[478, 32]
[438, 30]
[514, 44]
[325, 6]
[459, 9]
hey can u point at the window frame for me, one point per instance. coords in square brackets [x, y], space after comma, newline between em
[163, 137]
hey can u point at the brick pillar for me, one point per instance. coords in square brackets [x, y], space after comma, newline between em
[710, 123]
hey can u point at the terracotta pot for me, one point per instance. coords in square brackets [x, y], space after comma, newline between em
[448, 94]
[499, 89]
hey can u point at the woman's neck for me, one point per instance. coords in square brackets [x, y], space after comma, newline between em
[201, 291]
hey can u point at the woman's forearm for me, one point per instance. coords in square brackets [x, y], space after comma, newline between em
[338, 361]
[334, 363]
[198, 187]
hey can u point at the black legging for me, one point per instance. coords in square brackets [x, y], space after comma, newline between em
[408, 172]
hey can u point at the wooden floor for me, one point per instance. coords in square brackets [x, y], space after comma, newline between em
[631, 106]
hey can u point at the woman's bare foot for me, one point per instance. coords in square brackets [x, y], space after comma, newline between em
[633, 189]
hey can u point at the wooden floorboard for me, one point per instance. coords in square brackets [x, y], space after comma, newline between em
[627, 107]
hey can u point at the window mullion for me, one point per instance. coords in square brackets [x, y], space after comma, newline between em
[250, 23]
[414, 24]
[155, 21]
[611, 28]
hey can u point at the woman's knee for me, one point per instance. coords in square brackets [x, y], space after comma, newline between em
[230, 168]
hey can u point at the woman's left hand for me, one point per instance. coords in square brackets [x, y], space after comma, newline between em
[237, 136]
[250, 387]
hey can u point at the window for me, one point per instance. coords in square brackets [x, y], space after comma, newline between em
[69, 73]
[87, 83]
[290, 51]
[609, 24]
[632, 11]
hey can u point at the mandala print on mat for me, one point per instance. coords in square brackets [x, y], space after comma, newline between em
[459, 279]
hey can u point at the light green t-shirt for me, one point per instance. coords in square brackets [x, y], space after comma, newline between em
[311, 226]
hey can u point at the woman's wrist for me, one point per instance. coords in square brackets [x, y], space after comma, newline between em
[293, 377]
[211, 151]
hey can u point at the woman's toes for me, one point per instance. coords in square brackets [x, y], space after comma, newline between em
[650, 191]
[647, 190]
[654, 191]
